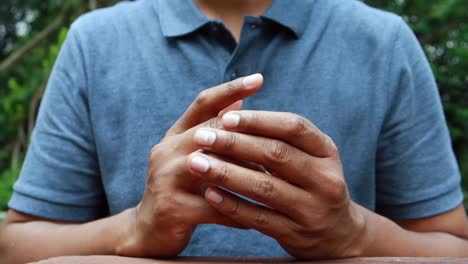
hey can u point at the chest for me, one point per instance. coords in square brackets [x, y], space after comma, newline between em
[132, 111]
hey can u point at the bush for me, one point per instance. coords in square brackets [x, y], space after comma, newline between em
[7, 177]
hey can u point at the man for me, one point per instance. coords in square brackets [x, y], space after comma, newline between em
[360, 166]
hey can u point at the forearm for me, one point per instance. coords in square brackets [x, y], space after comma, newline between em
[385, 238]
[35, 240]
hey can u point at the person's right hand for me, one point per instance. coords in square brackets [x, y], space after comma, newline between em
[171, 207]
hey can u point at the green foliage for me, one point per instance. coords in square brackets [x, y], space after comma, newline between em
[440, 26]
[15, 103]
[8, 178]
[22, 85]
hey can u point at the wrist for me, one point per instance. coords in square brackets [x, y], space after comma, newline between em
[127, 240]
[379, 233]
[364, 235]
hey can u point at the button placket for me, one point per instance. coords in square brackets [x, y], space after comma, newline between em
[253, 26]
[250, 24]
[233, 75]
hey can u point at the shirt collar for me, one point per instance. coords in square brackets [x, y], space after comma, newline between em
[181, 17]
[293, 15]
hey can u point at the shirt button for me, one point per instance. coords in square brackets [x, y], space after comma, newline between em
[253, 26]
[233, 75]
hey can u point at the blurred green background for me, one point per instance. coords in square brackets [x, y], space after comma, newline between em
[31, 32]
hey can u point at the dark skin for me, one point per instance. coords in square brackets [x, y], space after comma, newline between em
[304, 171]
[323, 223]
[308, 208]
[171, 207]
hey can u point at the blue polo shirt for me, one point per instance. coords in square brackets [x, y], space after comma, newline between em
[125, 74]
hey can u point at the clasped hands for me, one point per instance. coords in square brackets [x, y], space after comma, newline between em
[279, 159]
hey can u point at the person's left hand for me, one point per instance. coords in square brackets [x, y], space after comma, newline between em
[307, 207]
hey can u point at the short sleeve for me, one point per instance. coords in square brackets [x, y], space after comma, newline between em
[60, 178]
[416, 171]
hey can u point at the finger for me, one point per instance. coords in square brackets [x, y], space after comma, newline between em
[282, 159]
[235, 106]
[211, 101]
[258, 186]
[185, 141]
[288, 127]
[261, 218]
[241, 163]
[196, 210]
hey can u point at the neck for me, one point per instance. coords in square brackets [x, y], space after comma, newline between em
[232, 12]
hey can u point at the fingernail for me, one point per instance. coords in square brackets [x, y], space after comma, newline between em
[253, 80]
[205, 137]
[213, 196]
[199, 164]
[230, 120]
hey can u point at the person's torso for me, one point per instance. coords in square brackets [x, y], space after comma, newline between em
[141, 81]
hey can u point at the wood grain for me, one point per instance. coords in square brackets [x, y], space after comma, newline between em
[228, 260]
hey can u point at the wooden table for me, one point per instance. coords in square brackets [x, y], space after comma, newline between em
[214, 260]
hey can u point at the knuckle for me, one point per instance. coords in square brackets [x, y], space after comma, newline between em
[255, 120]
[263, 189]
[298, 126]
[233, 210]
[152, 179]
[260, 219]
[155, 151]
[277, 153]
[214, 123]
[336, 191]
[230, 88]
[222, 175]
[202, 98]
[230, 142]
[331, 146]
[298, 229]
